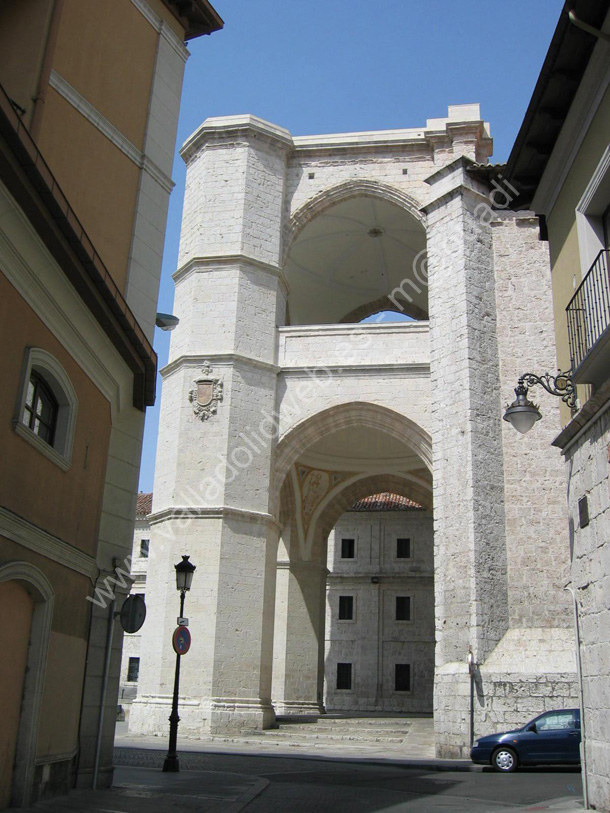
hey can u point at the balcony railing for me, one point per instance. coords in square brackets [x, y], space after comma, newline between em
[589, 321]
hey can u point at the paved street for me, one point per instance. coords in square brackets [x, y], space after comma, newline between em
[228, 783]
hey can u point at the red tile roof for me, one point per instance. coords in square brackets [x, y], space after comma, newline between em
[144, 506]
[386, 502]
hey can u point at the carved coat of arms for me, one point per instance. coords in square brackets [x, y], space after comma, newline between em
[206, 393]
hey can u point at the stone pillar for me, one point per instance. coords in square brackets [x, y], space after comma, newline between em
[217, 431]
[469, 526]
[299, 663]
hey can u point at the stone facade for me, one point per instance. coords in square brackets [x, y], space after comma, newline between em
[373, 640]
[284, 242]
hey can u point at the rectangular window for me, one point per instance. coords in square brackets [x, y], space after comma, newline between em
[403, 608]
[344, 676]
[403, 548]
[133, 670]
[144, 547]
[346, 608]
[348, 547]
[583, 512]
[402, 677]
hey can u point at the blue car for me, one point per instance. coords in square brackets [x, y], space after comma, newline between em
[553, 737]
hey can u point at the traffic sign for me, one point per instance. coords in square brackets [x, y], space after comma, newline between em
[133, 613]
[181, 640]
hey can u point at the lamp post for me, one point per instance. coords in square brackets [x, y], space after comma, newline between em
[184, 579]
[522, 414]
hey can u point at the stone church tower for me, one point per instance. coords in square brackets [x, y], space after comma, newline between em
[281, 408]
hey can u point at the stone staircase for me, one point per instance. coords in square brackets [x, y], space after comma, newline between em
[393, 737]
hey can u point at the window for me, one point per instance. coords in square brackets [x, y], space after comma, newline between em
[346, 608]
[402, 677]
[403, 608]
[133, 670]
[144, 547]
[348, 547]
[556, 721]
[403, 548]
[40, 411]
[46, 405]
[344, 676]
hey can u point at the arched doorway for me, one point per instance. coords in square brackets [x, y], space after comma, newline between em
[27, 597]
[330, 461]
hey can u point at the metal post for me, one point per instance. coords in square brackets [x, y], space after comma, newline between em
[172, 763]
[583, 754]
[100, 724]
[471, 668]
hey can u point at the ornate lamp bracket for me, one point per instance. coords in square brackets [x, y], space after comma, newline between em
[560, 385]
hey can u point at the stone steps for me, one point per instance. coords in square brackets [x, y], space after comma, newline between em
[304, 731]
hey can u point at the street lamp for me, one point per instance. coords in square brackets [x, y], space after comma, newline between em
[522, 414]
[181, 642]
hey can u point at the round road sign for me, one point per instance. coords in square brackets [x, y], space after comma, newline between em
[133, 613]
[181, 640]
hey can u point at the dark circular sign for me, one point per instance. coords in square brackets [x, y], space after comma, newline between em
[181, 640]
[133, 613]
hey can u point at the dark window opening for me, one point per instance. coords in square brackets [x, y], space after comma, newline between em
[144, 548]
[583, 512]
[348, 548]
[346, 608]
[403, 548]
[133, 670]
[403, 608]
[402, 677]
[344, 676]
[41, 408]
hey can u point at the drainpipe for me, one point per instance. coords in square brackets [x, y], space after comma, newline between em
[471, 668]
[583, 758]
[100, 725]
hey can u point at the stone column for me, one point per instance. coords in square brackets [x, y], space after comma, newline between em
[217, 431]
[299, 664]
[469, 526]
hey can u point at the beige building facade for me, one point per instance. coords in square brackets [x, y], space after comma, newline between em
[88, 111]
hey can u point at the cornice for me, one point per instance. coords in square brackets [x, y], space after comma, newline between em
[212, 512]
[94, 117]
[415, 370]
[30, 536]
[212, 261]
[218, 359]
[228, 128]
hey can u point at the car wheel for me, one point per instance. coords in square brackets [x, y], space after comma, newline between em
[504, 760]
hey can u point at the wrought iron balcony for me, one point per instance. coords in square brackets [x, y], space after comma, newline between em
[589, 324]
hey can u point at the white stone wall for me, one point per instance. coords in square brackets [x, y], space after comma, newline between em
[588, 467]
[373, 642]
[218, 481]
[132, 642]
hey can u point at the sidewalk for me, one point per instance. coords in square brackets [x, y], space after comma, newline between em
[202, 786]
[149, 790]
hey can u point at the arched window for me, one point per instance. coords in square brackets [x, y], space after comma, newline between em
[41, 408]
[46, 408]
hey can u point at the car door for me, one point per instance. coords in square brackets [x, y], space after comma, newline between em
[555, 739]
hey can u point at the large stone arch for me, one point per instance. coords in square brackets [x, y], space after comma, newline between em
[344, 191]
[353, 414]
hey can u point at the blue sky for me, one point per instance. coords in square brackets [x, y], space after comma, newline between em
[324, 66]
